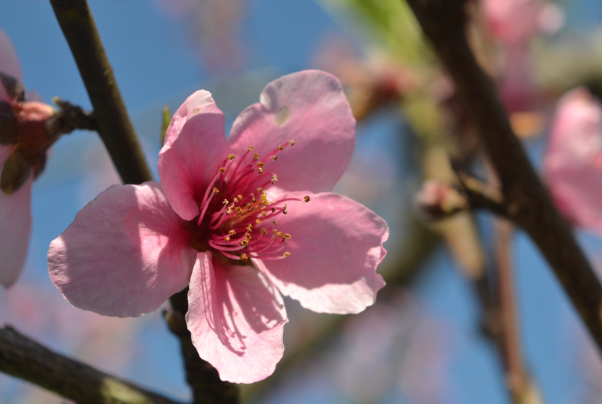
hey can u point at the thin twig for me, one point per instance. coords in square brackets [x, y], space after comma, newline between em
[26, 359]
[207, 388]
[114, 126]
[443, 22]
[118, 135]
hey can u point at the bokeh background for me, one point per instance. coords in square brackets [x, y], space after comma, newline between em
[422, 342]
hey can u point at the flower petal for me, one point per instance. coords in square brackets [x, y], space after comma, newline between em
[236, 318]
[573, 162]
[15, 227]
[310, 108]
[9, 62]
[195, 143]
[124, 254]
[335, 248]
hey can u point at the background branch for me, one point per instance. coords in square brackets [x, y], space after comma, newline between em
[443, 22]
[26, 359]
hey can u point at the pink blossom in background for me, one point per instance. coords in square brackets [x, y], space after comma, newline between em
[213, 26]
[513, 23]
[238, 220]
[15, 209]
[573, 162]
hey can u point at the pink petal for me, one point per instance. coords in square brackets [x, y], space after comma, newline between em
[335, 248]
[9, 62]
[310, 108]
[573, 162]
[236, 318]
[195, 144]
[15, 227]
[124, 254]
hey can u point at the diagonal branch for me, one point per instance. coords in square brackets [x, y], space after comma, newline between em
[443, 22]
[114, 126]
[26, 359]
[118, 135]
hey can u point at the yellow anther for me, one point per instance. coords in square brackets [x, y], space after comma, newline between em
[239, 196]
[284, 209]
[306, 198]
[235, 200]
[263, 213]
[291, 142]
[227, 238]
[263, 230]
[257, 221]
[244, 257]
[263, 197]
[260, 189]
[248, 206]
[275, 232]
[286, 254]
[280, 234]
[281, 147]
[231, 156]
[275, 157]
[221, 170]
[260, 171]
[215, 191]
[253, 198]
[244, 242]
[275, 221]
[250, 148]
[273, 210]
[250, 227]
[225, 202]
[231, 232]
[239, 210]
[274, 179]
[247, 235]
[256, 156]
[229, 211]
[260, 164]
[286, 235]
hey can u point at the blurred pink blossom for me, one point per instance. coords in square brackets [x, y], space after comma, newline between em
[573, 162]
[15, 209]
[202, 226]
[213, 26]
[513, 23]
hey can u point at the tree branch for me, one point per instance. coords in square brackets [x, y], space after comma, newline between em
[443, 22]
[114, 126]
[117, 133]
[26, 359]
[207, 388]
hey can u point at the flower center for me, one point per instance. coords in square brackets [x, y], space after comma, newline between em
[236, 217]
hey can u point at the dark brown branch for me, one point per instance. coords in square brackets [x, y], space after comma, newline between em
[114, 126]
[443, 22]
[26, 359]
[118, 135]
[207, 388]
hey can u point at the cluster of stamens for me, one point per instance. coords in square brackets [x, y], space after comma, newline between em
[243, 224]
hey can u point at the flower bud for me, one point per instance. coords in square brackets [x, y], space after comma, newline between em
[437, 200]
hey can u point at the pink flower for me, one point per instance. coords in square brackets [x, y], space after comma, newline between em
[15, 209]
[573, 162]
[236, 220]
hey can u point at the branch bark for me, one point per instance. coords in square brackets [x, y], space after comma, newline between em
[26, 359]
[117, 133]
[443, 22]
[114, 126]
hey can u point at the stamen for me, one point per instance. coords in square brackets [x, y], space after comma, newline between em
[286, 254]
[250, 148]
[306, 198]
